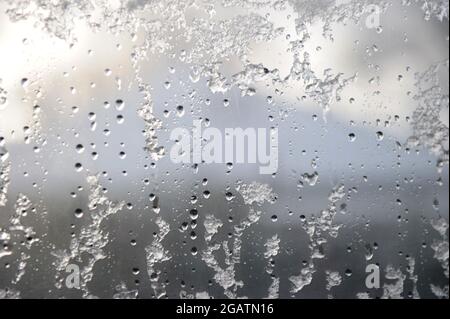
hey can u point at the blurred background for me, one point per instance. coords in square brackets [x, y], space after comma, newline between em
[71, 111]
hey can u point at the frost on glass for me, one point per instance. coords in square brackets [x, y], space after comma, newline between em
[99, 199]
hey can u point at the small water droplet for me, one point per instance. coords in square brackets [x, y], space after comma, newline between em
[351, 137]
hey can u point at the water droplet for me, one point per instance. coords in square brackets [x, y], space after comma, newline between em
[119, 105]
[78, 213]
[193, 214]
[380, 136]
[79, 148]
[78, 167]
[180, 110]
[351, 137]
[24, 82]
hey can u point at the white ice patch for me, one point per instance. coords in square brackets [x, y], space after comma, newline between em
[256, 193]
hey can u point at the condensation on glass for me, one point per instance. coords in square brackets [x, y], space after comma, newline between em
[340, 189]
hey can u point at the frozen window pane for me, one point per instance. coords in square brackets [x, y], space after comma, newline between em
[224, 149]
